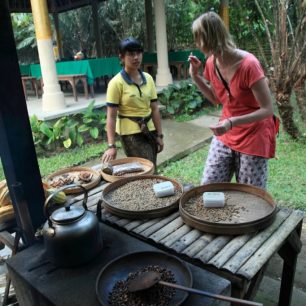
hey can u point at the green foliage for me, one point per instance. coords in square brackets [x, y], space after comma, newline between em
[68, 131]
[181, 98]
[244, 14]
[24, 33]
[123, 18]
[77, 32]
[179, 19]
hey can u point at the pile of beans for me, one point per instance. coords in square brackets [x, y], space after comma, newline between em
[157, 295]
[138, 195]
[231, 212]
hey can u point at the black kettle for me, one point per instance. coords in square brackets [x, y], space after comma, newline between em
[72, 235]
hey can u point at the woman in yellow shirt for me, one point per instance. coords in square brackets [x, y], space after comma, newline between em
[132, 108]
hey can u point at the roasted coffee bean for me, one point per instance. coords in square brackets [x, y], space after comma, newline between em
[155, 296]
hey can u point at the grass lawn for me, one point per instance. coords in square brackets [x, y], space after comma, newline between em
[287, 175]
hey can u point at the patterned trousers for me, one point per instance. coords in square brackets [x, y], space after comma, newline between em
[222, 163]
[140, 145]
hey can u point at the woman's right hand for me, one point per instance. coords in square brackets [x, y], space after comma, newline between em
[109, 154]
[194, 66]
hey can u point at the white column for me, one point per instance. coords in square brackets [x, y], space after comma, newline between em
[53, 98]
[163, 76]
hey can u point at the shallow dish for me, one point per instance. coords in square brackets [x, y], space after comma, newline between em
[148, 168]
[120, 267]
[133, 197]
[247, 209]
[73, 173]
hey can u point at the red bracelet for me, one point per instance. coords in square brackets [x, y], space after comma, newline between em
[231, 123]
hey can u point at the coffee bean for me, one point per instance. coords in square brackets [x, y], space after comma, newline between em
[157, 295]
[139, 195]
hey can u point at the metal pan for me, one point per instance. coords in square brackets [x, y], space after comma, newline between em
[119, 268]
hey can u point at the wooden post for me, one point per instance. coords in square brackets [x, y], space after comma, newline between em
[17, 149]
[224, 12]
[58, 39]
[53, 98]
[149, 25]
[96, 27]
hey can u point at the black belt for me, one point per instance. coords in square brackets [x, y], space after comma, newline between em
[142, 122]
[139, 120]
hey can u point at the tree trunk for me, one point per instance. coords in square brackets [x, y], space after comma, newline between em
[300, 94]
[286, 113]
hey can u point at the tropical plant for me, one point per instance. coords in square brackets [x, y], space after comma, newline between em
[68, 131]
[120, 19]
[76, 32]
[285, 31]
[181, 98]
[24, 33]
[179, 19]
[92, 121]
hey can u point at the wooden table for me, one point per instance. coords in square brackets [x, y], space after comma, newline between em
[73, 79]
[241, 259]
[92, 68]
[33, 82]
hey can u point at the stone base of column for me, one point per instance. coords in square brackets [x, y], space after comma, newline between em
[163, 77]
[53, 101]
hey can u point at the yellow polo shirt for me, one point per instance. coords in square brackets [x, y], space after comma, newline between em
[132, 100]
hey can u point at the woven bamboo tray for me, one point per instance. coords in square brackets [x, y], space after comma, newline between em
[140, 214]
[74, 172]
[247, 209]
[148, 168]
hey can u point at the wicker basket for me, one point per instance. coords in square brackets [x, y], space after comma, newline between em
[147, 165]
[259, 217]
[76, 170]
[140, 214]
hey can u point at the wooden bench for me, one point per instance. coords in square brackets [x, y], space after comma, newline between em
[34, 85]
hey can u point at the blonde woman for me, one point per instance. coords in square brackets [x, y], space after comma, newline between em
[244, 138]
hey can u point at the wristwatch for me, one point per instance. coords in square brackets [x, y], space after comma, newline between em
[112, 145]
[161, 136]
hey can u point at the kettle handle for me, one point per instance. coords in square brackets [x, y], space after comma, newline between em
[46, 205]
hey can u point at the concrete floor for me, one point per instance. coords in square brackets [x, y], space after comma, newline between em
[34, 105]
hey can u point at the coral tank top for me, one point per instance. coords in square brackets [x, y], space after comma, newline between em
[256, 138]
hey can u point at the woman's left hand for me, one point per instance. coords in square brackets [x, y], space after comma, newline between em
[160, 144]
[222, 127]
